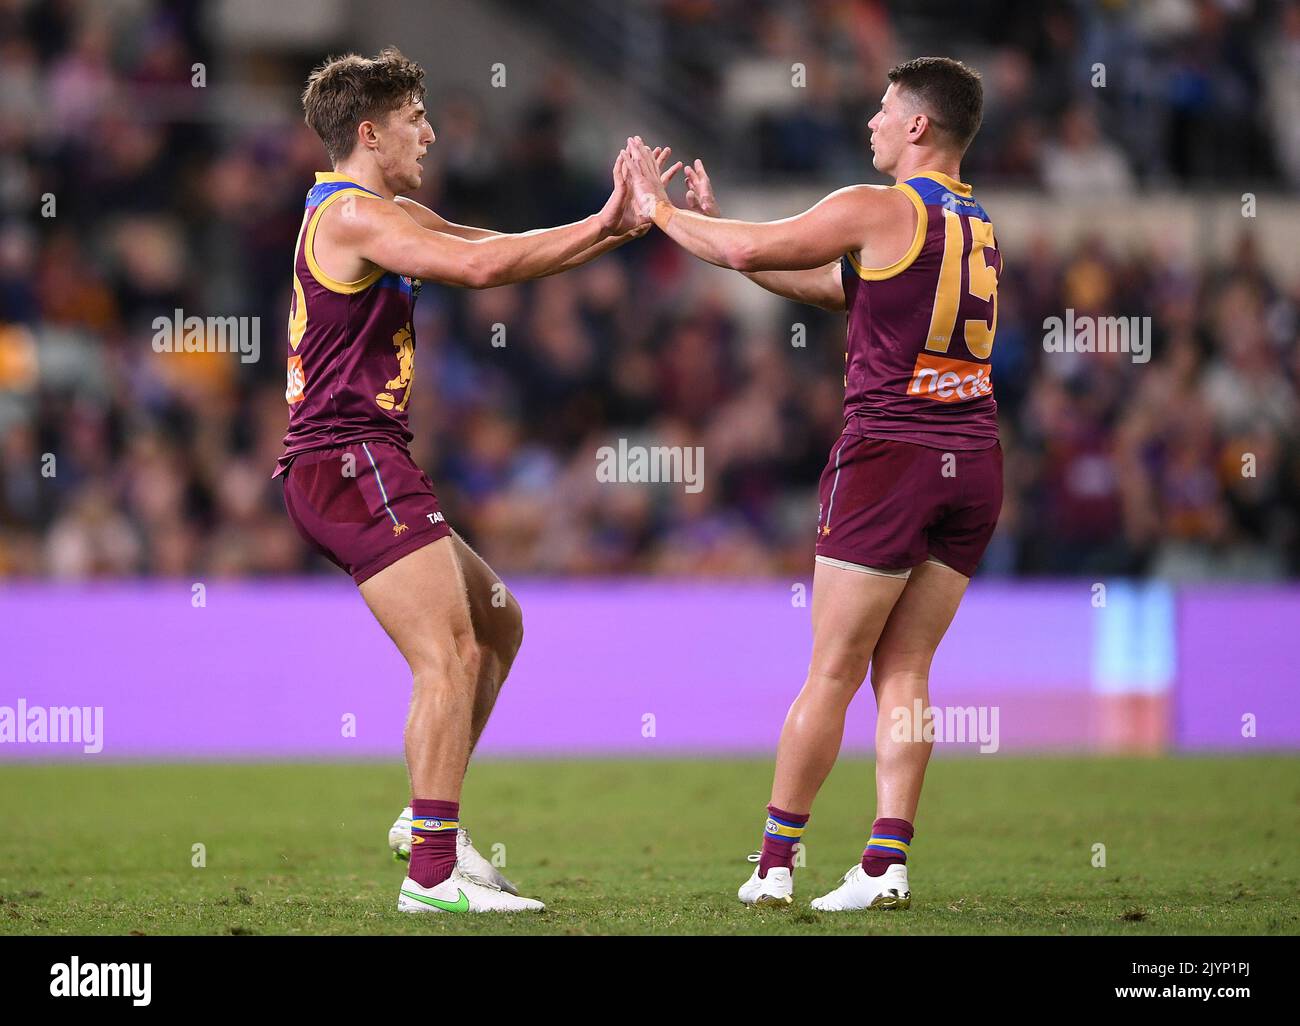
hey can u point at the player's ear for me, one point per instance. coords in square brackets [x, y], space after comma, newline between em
[367, 135]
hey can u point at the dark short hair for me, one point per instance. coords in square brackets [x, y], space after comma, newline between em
[950, 95]
[345, 91]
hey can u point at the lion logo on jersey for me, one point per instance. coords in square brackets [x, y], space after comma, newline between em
[404, 343]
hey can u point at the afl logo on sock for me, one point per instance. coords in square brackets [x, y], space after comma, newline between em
[773, 827]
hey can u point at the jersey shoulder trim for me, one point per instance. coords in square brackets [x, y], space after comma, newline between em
[918, 240]
[346, 288]
[948, 182]
[938, 190]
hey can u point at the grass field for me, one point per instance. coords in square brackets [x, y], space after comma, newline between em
[1003, 845]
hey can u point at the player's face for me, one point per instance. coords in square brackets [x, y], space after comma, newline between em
[407, 135]
[888, 131]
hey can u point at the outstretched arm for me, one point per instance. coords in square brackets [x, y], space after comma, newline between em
[375, 232]
[818, 286]
[433, 221]
[629, 227]
[826, 232]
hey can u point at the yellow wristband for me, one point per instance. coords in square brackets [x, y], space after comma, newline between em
[663, 214]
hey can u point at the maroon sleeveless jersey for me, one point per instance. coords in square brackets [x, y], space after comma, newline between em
[921, 330]
[351, 344]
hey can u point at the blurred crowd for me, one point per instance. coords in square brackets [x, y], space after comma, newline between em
[116, 460]
[1081, 96]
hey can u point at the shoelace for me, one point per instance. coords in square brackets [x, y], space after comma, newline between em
[754, 856]
[481, 881]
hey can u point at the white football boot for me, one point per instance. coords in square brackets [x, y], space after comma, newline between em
[468, 860]
[776, 890]
[399, 837]
[859, 891]
[458, 893]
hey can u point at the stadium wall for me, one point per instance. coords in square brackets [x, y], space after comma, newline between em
[299, 670]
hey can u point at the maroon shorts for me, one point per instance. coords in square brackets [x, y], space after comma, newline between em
[362, 506]
[890, 505]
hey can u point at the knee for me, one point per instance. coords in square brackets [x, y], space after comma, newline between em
[451, 664]
[840, 670]
[889, 673]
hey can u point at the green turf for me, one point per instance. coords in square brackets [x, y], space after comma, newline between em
[1004, 846]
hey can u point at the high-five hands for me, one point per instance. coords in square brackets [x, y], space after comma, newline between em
[621, 201]
[647, 187]
[643, 179]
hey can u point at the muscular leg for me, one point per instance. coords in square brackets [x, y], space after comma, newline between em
[498, 627]
[849, 610]
[421, 602]
[900, 674]
[459, 652]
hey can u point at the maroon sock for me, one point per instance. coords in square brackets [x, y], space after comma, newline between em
[433, 840]
[782, 833]
[889, 844]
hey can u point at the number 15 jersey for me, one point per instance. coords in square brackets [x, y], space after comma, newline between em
[920, 332]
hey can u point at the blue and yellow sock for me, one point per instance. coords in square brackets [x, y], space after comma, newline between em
[781, 834]
[891, 839]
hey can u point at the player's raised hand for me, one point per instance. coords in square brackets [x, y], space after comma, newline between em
[611, 214]
[632, 220]
[699, 190]
[643, 177]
